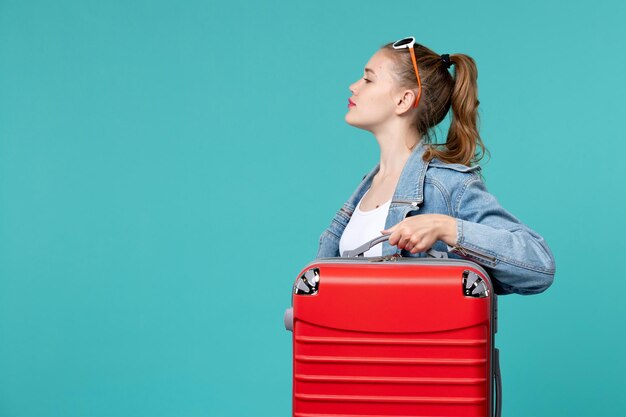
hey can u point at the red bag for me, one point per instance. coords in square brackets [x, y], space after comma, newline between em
[394, 336]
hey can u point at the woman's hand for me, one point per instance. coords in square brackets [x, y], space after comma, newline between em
[419, 233]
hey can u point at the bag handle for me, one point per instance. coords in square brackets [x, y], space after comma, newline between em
[368, 245]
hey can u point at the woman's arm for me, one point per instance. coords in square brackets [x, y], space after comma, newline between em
[517, 258]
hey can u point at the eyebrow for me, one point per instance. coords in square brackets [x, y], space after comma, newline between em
[370, 70]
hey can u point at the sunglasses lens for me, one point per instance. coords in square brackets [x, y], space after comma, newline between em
[402, 42]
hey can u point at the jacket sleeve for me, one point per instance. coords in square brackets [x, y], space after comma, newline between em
[517, 258]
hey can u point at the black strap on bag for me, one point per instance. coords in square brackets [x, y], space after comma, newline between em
[498, 383]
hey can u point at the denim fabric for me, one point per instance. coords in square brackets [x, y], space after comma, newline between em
[516, 257]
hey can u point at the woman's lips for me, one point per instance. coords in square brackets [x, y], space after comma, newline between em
[351, 103]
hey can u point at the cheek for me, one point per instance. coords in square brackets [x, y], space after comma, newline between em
[382, 101]
[375, 95]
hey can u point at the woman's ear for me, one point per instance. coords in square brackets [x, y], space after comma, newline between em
[404, 101]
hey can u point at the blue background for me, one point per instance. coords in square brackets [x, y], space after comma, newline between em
[166, 170]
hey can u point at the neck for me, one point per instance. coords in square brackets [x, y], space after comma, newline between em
[395, 150]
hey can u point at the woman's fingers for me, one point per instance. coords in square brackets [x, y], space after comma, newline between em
[415, 244]
[420, 246]
[395, 237]
[405, 239]
[414, 234]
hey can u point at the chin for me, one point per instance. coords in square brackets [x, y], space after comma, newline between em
[349, 120]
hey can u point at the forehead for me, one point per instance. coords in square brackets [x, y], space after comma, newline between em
[380, 63]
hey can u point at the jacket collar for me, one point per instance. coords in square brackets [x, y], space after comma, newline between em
[411, 183]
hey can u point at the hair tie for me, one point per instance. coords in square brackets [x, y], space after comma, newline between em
[445, 58]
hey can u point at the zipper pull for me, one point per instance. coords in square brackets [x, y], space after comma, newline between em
[460, 250]
[412, 203]
[465, 252]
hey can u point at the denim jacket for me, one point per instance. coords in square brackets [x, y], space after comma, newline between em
[516, 257]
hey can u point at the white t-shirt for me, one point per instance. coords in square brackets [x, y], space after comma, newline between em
[363, 227]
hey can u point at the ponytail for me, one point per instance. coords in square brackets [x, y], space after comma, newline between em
[463, 144]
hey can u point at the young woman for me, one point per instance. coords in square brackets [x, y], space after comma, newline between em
[427, 195]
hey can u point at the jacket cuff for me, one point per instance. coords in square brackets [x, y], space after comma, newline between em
[459, 234]
[468, 250]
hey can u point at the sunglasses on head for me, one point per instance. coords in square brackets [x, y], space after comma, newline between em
[408, 43]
